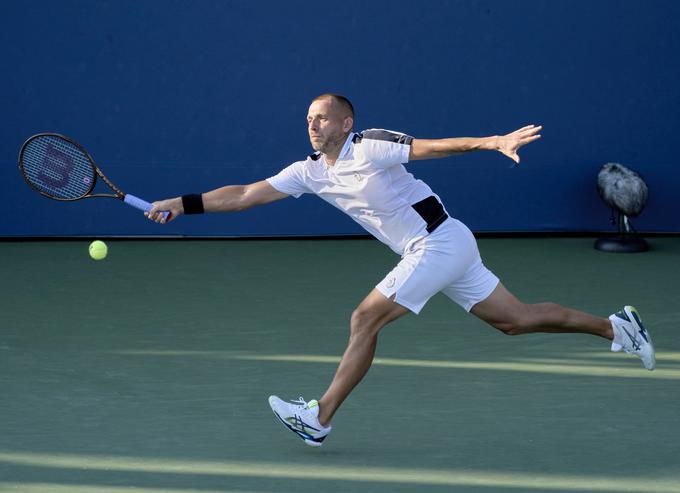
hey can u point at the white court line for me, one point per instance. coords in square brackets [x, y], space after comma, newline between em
[527, 365]
[6, 487]
[397, 475]
[660, 355]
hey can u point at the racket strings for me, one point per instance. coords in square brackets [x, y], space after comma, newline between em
[57, 168]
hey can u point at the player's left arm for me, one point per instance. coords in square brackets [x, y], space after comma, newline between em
[507, 144]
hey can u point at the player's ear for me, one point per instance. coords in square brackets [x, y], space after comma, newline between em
[347, 124]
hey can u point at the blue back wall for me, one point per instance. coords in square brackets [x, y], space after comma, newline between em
[173, 97]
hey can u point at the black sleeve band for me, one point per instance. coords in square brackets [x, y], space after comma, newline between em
[193, 203]
[387, 135]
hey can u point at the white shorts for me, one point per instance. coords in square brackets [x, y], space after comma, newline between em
[446, 260]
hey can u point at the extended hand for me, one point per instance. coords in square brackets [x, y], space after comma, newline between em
[509, 144]
[173, 206]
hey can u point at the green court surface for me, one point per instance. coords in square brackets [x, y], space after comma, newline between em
[150, 371]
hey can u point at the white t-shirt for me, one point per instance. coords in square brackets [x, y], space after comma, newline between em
[368, 182]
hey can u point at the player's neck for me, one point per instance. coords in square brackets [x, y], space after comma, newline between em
[332, 155]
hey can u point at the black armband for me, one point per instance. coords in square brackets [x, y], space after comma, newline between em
[193, 203]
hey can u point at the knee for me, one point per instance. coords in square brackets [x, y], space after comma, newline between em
[516, 322]
[363, 324]
[509, 327]
[526, 318]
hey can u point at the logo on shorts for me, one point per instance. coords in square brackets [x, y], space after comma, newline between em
[391, 281]
[357, 176]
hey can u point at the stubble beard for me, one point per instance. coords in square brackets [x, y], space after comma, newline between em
[329, 144]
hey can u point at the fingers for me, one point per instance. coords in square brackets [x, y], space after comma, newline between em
[158, 215]
[533, 137]
[512, 142]
[527, 134]
[526, 140]
[514, 156]
[529, 130]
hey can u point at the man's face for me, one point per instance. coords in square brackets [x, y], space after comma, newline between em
[327, 125]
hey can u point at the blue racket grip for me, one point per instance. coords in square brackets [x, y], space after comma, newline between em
[140, 204]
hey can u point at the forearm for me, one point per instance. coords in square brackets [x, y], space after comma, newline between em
[225, 199]
[460, 145]
[438, 148]
[230, 198]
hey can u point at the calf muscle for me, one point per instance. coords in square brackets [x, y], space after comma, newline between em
[505, 312]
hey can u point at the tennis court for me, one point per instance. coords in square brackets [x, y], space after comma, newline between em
[150, 371]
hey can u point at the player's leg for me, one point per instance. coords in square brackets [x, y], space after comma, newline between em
[479, 291]
[505, 312]
[372, 314]
[428, 265]
[311, 420]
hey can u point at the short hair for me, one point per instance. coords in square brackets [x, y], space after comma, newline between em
[340, 99]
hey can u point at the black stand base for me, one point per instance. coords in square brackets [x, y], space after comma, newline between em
[622, 244]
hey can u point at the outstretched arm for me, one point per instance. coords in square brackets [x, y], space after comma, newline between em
[506, 144]
[226, 199]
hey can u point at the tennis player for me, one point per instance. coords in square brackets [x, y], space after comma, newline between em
[363, 174]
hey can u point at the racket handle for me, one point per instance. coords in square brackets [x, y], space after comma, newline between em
[140, 204]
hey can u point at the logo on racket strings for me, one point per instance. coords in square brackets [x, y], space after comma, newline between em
[56, 169]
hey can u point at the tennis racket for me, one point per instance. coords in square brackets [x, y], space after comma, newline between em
[59, 168]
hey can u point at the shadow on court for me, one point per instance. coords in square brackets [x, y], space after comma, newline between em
[151, 370]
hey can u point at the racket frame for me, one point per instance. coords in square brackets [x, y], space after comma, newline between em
[118, 194]
[129, 199]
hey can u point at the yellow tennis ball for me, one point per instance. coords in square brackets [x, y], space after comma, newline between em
[98, 250]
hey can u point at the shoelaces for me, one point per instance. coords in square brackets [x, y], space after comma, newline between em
[300, 402]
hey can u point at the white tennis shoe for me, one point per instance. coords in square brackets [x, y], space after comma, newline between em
[631, 337]
[302, 418]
